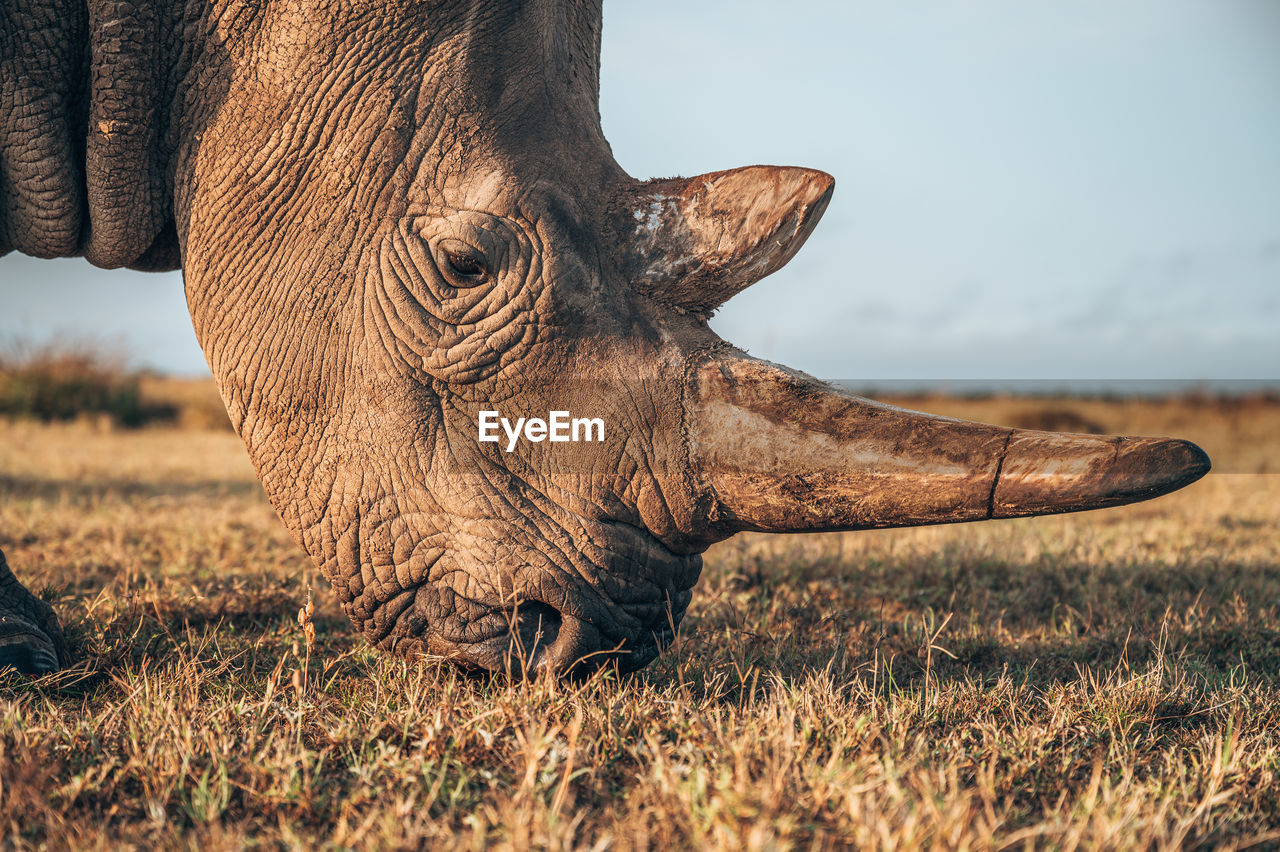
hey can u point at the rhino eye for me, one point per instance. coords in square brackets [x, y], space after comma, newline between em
[463, 265]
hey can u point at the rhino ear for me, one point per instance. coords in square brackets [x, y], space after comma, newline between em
[695, 242]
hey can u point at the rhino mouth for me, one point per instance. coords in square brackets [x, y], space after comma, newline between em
[623, 618]
[529, 636]
[533, 636]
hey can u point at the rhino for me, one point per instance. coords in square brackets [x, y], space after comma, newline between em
[399, 224]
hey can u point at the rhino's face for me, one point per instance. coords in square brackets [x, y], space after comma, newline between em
[400, 226]
[508, 305]
[539, 293]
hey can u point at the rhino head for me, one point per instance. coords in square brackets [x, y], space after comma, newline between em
[397, 219]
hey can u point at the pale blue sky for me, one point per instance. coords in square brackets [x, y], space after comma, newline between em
[1051, 190]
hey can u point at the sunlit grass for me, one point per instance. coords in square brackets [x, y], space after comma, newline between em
[1099, 680]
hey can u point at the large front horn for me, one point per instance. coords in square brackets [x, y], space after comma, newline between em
[697, 241]
[781, 452]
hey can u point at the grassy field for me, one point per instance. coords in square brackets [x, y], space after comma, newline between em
[1107, 680]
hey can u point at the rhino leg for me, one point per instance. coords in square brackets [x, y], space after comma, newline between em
[30, 639]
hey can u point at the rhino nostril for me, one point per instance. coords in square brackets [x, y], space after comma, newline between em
[577, 649]
[546, 639]
[536, 626]
[540, 637]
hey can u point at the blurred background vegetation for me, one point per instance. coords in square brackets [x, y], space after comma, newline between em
[90, 381]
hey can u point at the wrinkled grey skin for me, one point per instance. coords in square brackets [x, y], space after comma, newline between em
[331, 175]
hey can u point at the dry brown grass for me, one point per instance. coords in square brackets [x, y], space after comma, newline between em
[1107, 680]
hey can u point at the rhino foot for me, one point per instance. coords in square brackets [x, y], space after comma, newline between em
[28, 650]
[30, 639]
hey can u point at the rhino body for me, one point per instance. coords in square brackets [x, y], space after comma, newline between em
[396, 217]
